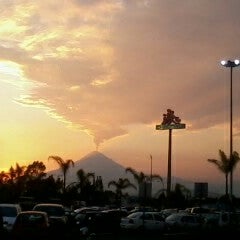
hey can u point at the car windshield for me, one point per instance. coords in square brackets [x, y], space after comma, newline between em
[173, 217]
[31, 218]
[51, 210]
[134, 215]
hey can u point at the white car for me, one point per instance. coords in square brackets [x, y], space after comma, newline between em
[9, 212]
[183, 221]
[150, 221]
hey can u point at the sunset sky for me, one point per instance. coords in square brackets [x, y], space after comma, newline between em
[83, 75]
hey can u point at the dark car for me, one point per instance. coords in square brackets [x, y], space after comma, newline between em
[106, 222]
[57, 217]
[98, 222]
[31, 225]
[82, 221]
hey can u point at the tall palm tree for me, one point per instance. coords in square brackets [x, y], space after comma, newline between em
[121, 185]
[224, 166]
[141, 177]
[84, 178]
[64, 166]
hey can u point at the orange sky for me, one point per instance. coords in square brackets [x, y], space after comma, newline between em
[85, 75]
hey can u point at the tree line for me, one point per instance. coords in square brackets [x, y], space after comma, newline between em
[32, 181]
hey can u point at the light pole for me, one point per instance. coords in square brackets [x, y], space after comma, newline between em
[151, 168]
[231, 64]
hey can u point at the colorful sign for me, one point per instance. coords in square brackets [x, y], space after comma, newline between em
[170, 121]
[171, 126]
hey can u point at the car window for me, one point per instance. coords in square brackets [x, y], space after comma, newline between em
[172, 217]
[51, 210]
[134, 215]
[8, 211]
[158, 217]
[148, 216]
[31, 218]
[188, 219]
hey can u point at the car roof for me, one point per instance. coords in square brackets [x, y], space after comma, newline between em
[33, 212]
[49, 204]
[52, 204]
[9, 204]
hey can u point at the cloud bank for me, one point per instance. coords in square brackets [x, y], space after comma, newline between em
[100, 66]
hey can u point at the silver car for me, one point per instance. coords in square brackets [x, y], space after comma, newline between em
[183, 222]
[150, 221]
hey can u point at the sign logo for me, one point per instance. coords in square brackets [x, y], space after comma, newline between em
[170, 121]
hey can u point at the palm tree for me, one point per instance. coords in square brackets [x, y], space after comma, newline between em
[121, 185]
[224, 166]
[84, 178]
[86, 185]
[141, 177]
[64, 166]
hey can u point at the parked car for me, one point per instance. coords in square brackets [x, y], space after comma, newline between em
[224, 220]
[183, 222]
[9, 212]
[31, 225]
[81, 222]
[86, 209]
[107, 221]
[168, 211]
[99, 222]
[56, 213]
[149, 221]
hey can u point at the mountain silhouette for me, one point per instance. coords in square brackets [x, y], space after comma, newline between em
[98, 163]
[108, 169]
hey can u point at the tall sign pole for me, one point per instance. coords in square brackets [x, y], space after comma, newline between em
[170, 122]
[169, 172]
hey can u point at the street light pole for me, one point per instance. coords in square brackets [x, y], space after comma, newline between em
[231, 64]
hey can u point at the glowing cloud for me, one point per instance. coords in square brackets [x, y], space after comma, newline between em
[100, 66]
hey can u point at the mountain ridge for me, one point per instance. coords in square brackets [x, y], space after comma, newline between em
[94, 162]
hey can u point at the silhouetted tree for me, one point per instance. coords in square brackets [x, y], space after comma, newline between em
[64, 166]
[226, 166]
[84, 183]
[35, 170]
[121, 185]
[142, 178]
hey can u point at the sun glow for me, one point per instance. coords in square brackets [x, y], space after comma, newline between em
[13, 74]
[11, 68]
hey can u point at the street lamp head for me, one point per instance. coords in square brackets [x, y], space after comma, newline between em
[229, 63]
[237, 62]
